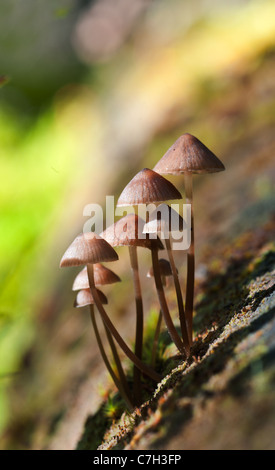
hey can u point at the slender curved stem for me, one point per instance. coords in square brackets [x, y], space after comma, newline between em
[163, 304]
[118, 363]
[190, 279]
[107, 363]
[129, 353]
[155, 340]
[182, 318]
[139, 321]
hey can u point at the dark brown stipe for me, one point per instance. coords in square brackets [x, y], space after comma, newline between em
[182, 314]
[163, 304]
[129, 353]
[165, 219]
[156, 339]
[85, 298]
[139, 321]
[116, 357]
[121, 387]
[190, 279]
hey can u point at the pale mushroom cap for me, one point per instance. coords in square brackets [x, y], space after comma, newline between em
[147, 187]
[188, 155]
[165, 268]
[128, 231]
[84, 298]
[102, 276]
[88, 248]
[164, 219]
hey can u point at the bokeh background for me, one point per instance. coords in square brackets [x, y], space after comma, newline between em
[92, 92]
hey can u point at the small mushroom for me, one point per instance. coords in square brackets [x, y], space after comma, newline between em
[186, 156]
[165, 270]
[89, 249]
[84, 298]
[102, 276]
[147, 187]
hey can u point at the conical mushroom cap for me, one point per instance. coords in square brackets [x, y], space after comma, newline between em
[147, 187]
[102, 276]
[164, 266]
[164, 219]
[84, 297]
[129, 231]
[188, 154]
[88, 248]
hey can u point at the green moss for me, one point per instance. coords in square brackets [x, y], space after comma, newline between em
[94, 430]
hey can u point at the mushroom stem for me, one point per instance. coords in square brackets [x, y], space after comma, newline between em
[117, 382]
[163, 304]
[139, 321]
[118, 363]
[182, 318]
[190, 280]
[143, 367]
[155, 340]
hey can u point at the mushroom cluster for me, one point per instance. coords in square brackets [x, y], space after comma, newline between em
[148, 188]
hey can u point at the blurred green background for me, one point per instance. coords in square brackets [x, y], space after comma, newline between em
[91, 92]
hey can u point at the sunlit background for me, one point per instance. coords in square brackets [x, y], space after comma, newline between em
[92, 92]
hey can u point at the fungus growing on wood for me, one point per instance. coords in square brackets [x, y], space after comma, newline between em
[147, 187]
[89, 249]
[127, 231]
[188, 156]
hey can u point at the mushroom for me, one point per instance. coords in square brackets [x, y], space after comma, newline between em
[102, 276]
[165, 270]
[84, 298]
[165, 219]
[186, 156]
[146, 187]
[89, 249]
[127, 231]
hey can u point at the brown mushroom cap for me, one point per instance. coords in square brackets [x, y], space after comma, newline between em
[84, 297]
[164, 218]
[129, 231]
[165, 268]
[147, 187]
[188, 154]
[102, 276]
[88, 248]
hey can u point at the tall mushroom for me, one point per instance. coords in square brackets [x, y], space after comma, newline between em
[149, 187]
[84, 298]
[165, 220]
[89, 249]
[127, 231]
[102, 276]
[186, 156]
